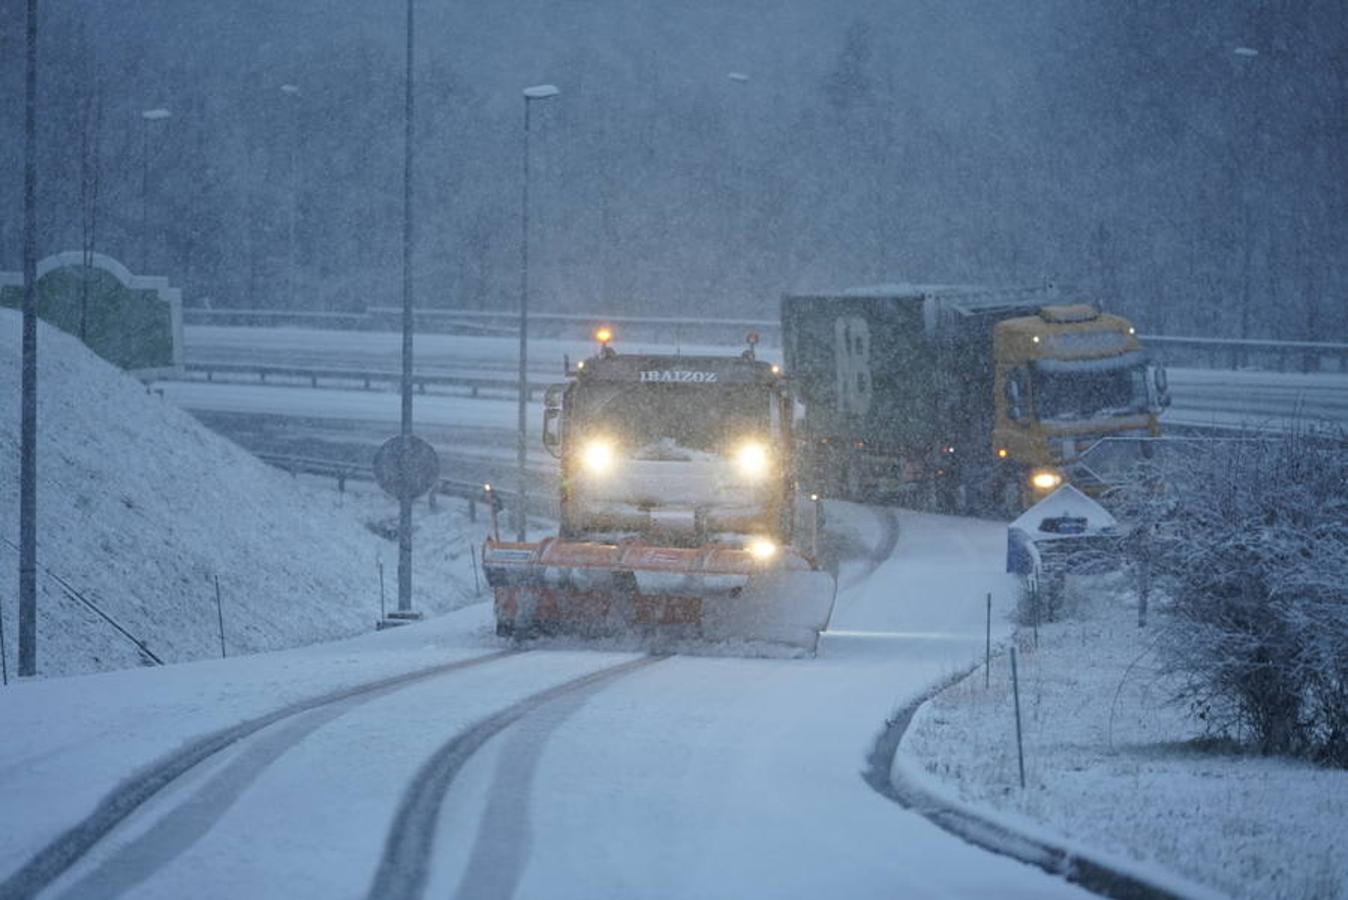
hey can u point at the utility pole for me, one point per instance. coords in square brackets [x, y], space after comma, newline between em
[28, 403]
[521, 516]
[148, 116]
[293, 90]
[404, 499]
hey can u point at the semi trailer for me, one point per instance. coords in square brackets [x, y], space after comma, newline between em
[964, 399]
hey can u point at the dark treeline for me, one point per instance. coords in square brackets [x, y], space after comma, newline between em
[1132, 149]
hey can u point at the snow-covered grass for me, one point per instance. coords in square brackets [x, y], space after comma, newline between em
[140, 508]
[1110, 764]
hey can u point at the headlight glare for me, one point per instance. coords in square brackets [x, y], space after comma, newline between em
[762, 549]
[597, 456]
[1045, 480]
[752, 460]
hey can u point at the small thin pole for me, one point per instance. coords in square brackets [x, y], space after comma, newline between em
[4, 660]
[379, 564]
[220, 615]
[987, 648]
[814, 526]
[1035, 595]
[1015, 690]
[477, 584]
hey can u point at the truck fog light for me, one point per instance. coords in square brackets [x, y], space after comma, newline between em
[1045, 480]
[762, 549]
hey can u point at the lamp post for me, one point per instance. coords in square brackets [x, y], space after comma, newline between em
[405, 431]
[531, 94]
[28, 389]
[148, 116]
[739, 170]
[293, 91]
[1246, 56]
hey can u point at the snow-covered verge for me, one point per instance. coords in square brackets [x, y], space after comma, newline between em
[1110, 764]
[140, 508]
[69, 741]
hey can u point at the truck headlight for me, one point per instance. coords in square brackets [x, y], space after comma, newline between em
[1045, 479]
[752, 460]
[597, 456]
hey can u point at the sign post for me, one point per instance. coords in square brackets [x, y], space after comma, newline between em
[406, 467]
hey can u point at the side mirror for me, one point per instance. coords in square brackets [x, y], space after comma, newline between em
[552, 438]
[1158, 387]
[1015, 405]
[552, 418]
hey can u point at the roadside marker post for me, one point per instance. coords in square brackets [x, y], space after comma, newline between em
[477, 584]
[1015, 690]
[379, 564]
[220, 615]
[987, 648]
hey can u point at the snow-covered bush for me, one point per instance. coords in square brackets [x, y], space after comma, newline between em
[1249, 541]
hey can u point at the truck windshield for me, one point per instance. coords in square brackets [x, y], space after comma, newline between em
[1068, 392]
[655, 420]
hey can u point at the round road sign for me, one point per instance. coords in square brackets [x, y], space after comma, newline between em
[406, 469]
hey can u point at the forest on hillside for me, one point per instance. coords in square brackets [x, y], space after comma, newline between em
[1184, 163]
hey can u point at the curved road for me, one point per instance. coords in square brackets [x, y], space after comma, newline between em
[555, 773]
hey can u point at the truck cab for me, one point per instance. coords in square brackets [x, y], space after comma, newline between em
[1067, 378]
[682, 451]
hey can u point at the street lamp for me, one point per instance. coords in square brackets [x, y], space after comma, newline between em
[405, 420]
[536, 92]
[739, 168]
[293, 91]
[1246, 55]
[158, 114]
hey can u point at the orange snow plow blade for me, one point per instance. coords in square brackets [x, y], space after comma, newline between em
[715, 593]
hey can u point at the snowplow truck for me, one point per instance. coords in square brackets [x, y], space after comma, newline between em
[964, 399]
[677, 508]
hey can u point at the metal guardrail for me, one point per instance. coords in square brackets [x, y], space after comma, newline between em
[471, 491]
[473, 384]
[1238, 353]
[579, 326]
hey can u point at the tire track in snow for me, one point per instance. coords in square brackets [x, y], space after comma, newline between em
[505, 836]
[67, 848]
[405, 868]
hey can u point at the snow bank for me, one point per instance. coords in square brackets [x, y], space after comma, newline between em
[141, 507]
[1108, 763]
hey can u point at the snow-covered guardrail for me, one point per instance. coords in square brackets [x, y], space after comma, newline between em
[471, 491]
[1236, 353]
[345, 377]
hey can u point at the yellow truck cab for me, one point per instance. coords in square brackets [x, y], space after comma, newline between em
[1066, 378]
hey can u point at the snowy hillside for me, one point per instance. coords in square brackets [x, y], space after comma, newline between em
[140, 507]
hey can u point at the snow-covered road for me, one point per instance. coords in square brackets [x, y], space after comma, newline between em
[686, 776]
